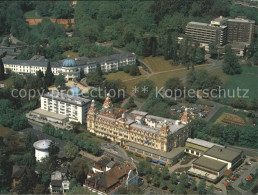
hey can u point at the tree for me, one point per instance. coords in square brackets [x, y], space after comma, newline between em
[79, 170]
[71, 150]
[144, 168]
[63, 9]
[144, 88]
[183, 179]
[174, 87]
[2, 74]
[180, 188]
[160, 109]
[60, 81]
[173, 178]
[213, 50]
[163, 185]
[156, 181]
[95, 78]
[172, 187]
[165, 173]
[130, 104]
[210, 189]
[193, 184]
[30, 139]
[231, 65]
[201, 187]
[40, 74]
[199, 56]
[49, 76]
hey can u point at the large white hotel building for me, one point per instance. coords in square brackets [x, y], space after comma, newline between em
[70, 68]
[60, 109]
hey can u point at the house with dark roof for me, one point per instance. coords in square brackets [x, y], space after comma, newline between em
[110, 181]
[104, 164]
[18, 172]
[60, 181]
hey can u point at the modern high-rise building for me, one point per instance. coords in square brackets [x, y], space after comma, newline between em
[240, 30]
[205, 33]
[60, 109]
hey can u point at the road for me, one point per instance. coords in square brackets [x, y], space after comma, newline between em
[243, 176]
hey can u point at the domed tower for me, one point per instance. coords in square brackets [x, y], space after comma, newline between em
[107, 103]
[41, 149]
[91, 116]
[70, 69]
[185, 117]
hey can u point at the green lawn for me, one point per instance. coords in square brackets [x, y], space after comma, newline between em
[231, 111]
[14, 140]
[246, 80]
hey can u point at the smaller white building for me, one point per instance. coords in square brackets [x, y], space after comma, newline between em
[41, 149]
[59, 183]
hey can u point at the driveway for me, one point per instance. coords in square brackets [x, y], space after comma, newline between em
[59, 143]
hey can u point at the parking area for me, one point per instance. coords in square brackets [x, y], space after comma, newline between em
[200, 111]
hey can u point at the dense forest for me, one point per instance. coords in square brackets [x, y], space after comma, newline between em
[139, 26]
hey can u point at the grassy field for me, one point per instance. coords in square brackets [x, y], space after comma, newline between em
[120, 75]
[13, 138]
[224, 110]
[158, 64]
[246, 80]
[161, 78]
[219, 72]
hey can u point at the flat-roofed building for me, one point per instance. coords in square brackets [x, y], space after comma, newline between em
[198, 146]
[204, 33]
[208, 168]
[60, 109]
[240, 30]
[215, 161]
[227, 155]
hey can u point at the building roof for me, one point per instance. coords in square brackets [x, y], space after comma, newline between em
[239, 45]
[169, 155]
[241, 20]
[18, 171]
[205, 25]
[55, 95]
[203, 143]
[29, 63]
[107, 179]
[103, 161]
[42, 144]
[223, 153]
[82, 61]
[68, 62]
[209, 163]
[49, 114]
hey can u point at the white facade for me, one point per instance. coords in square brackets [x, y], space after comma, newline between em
[107, 63]
[75, 108]
[41, 149]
